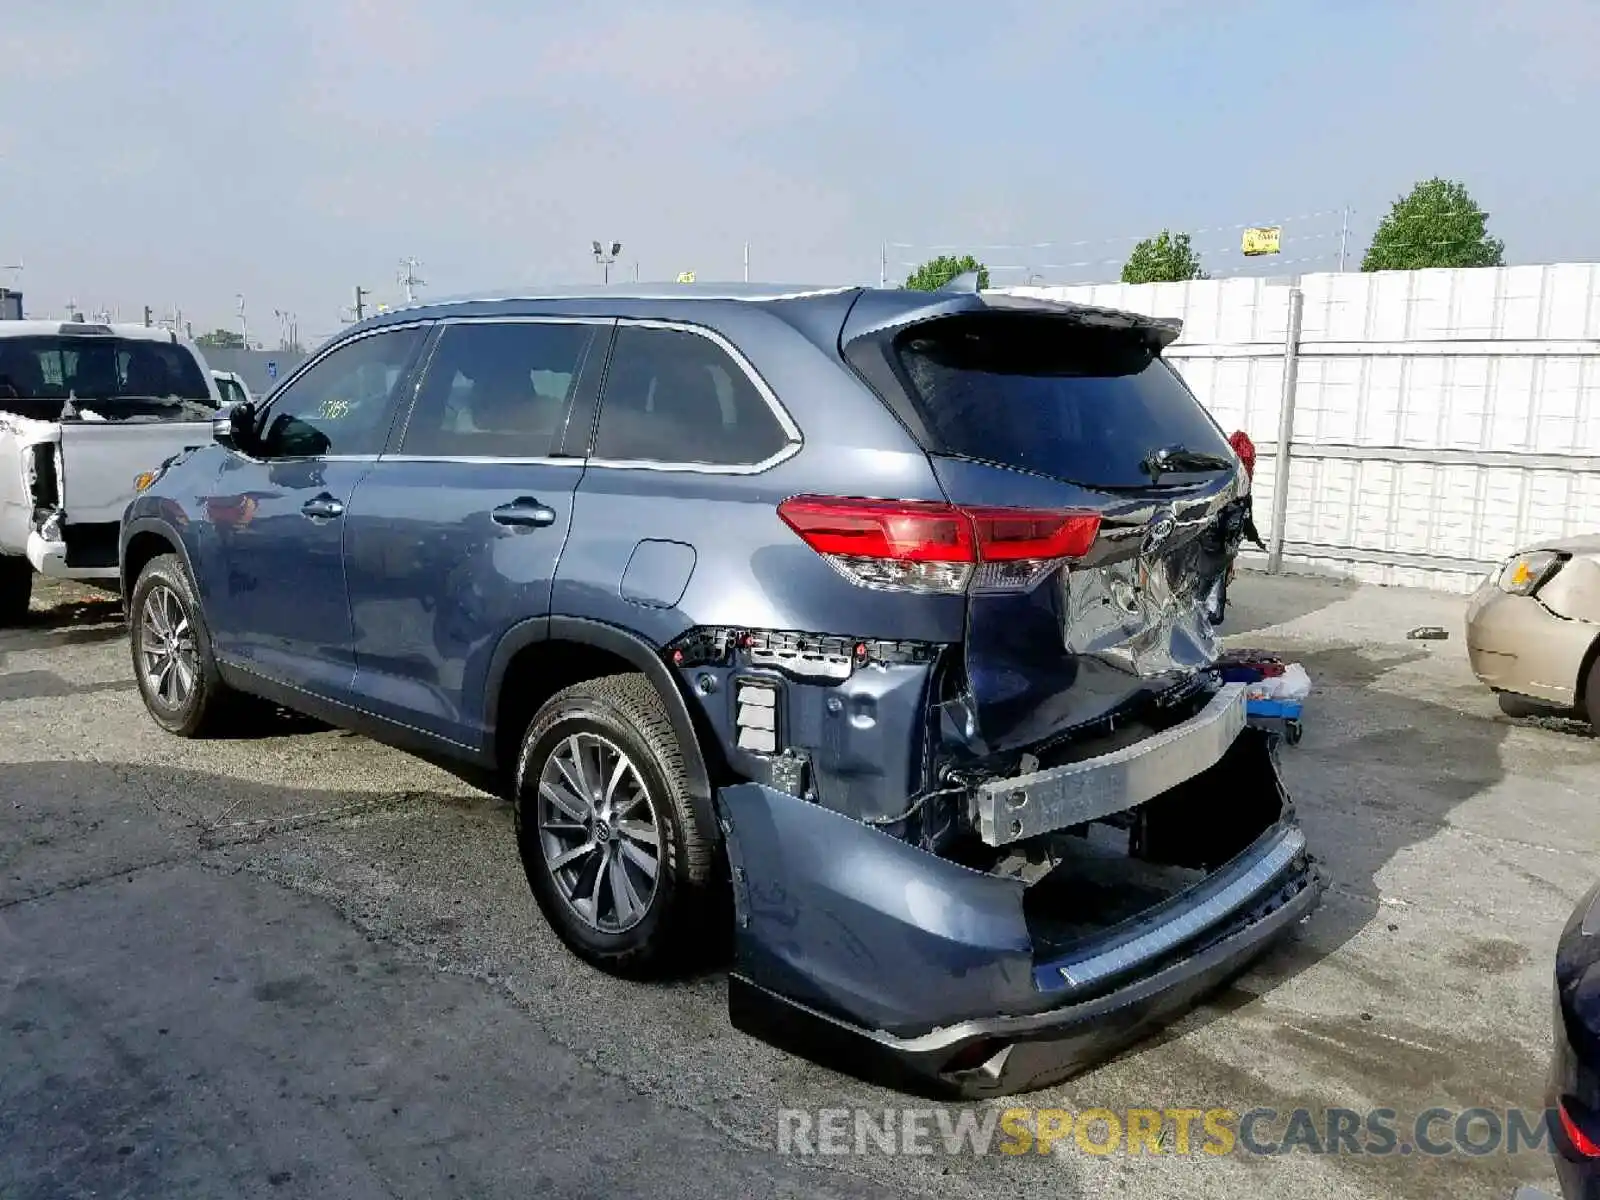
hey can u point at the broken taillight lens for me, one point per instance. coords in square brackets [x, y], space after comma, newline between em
[1246, 450]
[931, 546]
[1581, 1142]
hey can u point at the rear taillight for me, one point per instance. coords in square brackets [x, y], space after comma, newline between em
[1581, 1142]
[1246, 450]
[928, 546]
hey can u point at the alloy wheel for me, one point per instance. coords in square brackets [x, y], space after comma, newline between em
[599, 832]
[168, 657]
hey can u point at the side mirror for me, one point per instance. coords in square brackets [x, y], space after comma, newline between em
[235, 426]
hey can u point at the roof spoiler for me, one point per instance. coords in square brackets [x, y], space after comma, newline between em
[888, 311]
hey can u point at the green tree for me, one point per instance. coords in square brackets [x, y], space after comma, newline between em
[1165, 258]
[221, 339]
[1437, 225]
[936, 272]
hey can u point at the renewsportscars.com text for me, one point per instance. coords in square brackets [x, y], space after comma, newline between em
[1163, 1131]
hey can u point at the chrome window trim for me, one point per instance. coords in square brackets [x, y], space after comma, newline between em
[796, 440]
[484, 460]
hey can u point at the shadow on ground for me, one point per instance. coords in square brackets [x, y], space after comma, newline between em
[1252, 607]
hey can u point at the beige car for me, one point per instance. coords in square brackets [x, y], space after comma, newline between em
[1533, 630]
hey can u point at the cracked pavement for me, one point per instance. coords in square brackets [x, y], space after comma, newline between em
[300, 963]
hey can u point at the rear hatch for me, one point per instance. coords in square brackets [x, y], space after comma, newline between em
[1067, 419]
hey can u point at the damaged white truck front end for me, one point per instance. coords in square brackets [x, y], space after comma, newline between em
[85, 410]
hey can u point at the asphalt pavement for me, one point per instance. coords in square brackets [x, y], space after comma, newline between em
[301, 964]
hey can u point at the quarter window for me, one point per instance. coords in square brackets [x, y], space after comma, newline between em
[497, 389]
[345, 403]
[676, 397]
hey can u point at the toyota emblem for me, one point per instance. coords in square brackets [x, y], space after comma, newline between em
[1161, 527]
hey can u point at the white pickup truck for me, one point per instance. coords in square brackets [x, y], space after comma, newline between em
[84, 409]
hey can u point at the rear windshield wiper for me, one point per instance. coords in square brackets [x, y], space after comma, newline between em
[1180, 458]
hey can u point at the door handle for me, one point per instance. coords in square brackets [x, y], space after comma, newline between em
[525, 511]
[322, 507]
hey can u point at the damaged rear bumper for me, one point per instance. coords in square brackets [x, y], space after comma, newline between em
[873, 955]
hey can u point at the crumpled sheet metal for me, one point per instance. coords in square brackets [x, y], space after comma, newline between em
[1144, 616]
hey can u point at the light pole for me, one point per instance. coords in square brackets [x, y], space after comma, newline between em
[288, 329]
[244, 324]
[605, 256]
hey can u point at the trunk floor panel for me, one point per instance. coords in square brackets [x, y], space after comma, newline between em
[1095, 886]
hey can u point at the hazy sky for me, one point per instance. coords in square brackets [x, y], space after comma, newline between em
[177, 152]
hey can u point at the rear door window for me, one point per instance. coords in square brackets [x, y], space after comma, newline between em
[1044, 395]
[498, 389]
[673, 396]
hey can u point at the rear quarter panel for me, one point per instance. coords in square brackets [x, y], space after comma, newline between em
[749, 568]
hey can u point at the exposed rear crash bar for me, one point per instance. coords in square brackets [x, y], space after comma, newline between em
[1023, 806]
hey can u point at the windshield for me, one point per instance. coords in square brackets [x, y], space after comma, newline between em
[232, 393]
[110, 376]
[1091, 406]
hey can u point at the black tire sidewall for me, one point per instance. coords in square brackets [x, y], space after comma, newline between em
[16, 587]
[168, 572]
[653, 938]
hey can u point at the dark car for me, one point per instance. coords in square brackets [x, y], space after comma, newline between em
[1575, 1072]
[870, 625]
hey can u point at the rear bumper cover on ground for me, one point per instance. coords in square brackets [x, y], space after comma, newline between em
[876, 957]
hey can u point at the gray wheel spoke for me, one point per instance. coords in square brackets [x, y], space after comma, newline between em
[567, 857]
[617, 773]
[569, 761]
[564, 800]
[640, 858]
[588, 904]
[639, 832]
[625, 901]
[182, 680]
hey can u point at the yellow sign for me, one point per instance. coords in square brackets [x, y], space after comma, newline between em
[1262, 239]
[685, 276]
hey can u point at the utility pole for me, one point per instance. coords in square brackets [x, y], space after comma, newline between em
[149, 317]
[244, 325]
[883, 265]
[361, 302]
[1344, 236]
[409, 279]
[747, 262]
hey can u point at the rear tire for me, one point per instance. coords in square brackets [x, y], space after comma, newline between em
[172, 660]
[613, 851]
[16, 587]
[1591, 696]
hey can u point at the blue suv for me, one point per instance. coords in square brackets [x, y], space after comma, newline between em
[874, 626]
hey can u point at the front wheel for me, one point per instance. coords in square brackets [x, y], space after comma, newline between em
[172, 660]
[610, 842]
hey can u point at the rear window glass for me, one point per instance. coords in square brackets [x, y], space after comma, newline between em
[1038, 394]
[108, 377]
